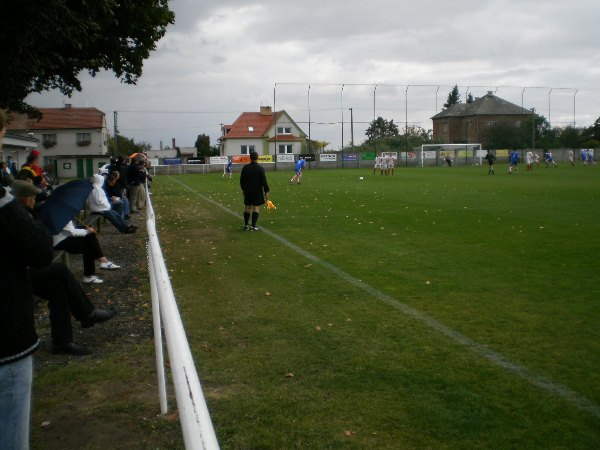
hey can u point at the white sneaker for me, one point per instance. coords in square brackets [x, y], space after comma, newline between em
[109, 266]
[92, 279]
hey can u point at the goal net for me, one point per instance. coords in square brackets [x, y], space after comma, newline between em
[450, 154]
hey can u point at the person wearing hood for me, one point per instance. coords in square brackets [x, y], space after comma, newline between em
[27, 243]
[99, 203]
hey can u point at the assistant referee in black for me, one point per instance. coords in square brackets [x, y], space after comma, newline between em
[253, 182]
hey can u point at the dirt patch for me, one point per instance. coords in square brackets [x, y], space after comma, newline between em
[72, 407]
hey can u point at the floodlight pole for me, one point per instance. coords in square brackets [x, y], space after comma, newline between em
[549, 110]
[406, 123]
[342, 108]
[436, 96]
[374, 90]
[574, 94]
[309, 140]
[351, 129]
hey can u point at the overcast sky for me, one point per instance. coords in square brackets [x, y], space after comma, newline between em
[223, 58]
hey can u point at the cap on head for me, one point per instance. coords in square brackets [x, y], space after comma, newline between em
[20, 188]
[35, 153]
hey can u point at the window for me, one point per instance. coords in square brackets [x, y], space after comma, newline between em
[489, 123]
[83, 139]
[285, 148]
[445, 128]
[284, 130]
[49, 140]
[250, 128]
[246, 149]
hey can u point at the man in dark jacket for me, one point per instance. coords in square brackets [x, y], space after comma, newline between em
[253, 182]
[26, 243]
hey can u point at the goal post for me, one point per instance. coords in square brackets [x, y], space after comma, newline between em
[464, 154]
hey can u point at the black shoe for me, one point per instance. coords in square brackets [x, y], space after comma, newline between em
[98, 316]
[70, 349]
[130, 229]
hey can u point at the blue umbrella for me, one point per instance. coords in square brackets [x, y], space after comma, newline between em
[64, 204]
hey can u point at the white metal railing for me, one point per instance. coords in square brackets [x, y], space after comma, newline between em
[196, 424]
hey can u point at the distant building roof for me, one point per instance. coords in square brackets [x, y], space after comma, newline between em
[489, 104]
[252, 124]
[59, 119]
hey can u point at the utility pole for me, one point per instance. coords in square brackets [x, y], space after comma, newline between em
[115, 116]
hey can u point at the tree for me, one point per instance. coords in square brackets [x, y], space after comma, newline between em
[380, 129]
[126, 146]
[202, 145]
[453, 97]
[47, 44]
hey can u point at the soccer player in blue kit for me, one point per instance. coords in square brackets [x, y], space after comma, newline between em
[298, 176]
[227, 169]
[513, 161]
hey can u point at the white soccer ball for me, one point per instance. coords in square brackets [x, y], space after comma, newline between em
[361, 178]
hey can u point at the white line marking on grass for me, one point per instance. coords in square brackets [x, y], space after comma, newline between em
[556, 389]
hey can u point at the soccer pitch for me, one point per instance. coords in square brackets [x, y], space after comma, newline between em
[436, 308]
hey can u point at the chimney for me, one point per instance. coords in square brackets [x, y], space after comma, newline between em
[173, 141]
[490, 94]
[265, 111]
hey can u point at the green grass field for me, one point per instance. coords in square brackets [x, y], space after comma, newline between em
[438, 308]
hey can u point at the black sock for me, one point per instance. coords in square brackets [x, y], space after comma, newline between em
[254, 218]
[246, 217]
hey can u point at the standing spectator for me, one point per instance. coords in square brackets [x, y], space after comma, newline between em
[99, 204]
[6, 177]
[135, 179]
[32, 163]
[25, 243]
[253, 182]
[491, 159]
[513, 161]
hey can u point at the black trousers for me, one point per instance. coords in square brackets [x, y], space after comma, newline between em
[56, 284]
[88, 246]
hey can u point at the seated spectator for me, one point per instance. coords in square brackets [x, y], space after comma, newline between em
[113, 190]
[99, 204]
[56, 284]
[6, 178]
[83, 241]
[27, 174]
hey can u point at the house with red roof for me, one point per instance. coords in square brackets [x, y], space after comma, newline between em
[265, 132]
[72, 141]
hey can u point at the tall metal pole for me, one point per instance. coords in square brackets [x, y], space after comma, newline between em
[115, 116]
[309, 140]
[436, 94]
[374, 90]
[351, 129]
[406, 123]
[549, 110]
[574, 94]
[342, 108]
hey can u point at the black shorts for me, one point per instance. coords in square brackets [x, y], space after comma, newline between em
[254, 198]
